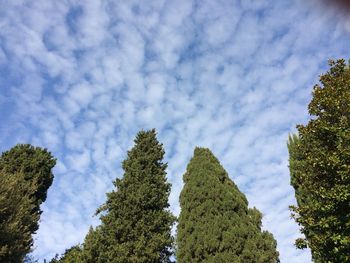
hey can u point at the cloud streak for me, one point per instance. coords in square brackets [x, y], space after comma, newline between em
[235, 76]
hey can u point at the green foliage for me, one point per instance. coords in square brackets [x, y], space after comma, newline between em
[25, 176]
[215, 223]
[136, 224]
[34, 163]
[71, 255]
[86, 253]
[16, 218]
[320, 169]
[92, 247]
[30, 259]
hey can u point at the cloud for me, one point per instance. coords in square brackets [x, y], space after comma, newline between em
[235, 76]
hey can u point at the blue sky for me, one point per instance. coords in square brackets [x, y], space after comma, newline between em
[82, 77]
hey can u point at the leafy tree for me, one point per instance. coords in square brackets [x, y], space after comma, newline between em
[215, 223]
[136, 224]
[25, 176]
[320, 169]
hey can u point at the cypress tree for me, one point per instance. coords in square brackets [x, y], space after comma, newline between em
[71, 255]
[215, 223]
[92, 247]
[319, 161]
[25, 176]
[16, 218]
[86, 253]
[35, 164]
[136, 224]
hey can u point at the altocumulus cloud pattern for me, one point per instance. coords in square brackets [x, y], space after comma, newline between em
[82, 77]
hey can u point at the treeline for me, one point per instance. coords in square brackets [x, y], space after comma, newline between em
[215, 223]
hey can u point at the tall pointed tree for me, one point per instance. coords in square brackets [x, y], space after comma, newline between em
[319, 161]
[136, 223]
[215, 223]
[25, 176]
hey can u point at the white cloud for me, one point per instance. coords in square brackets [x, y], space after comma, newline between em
[92, 24]
[234, 76]
[79, 161]
[82, 94]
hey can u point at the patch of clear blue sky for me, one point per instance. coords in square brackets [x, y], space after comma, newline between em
[73, 15]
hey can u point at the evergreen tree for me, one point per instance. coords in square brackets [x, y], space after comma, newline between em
[136, 224]
[92, 247]
[71, 255]
[15, 218]
[86, 253]
[320, 169]
[215, 223]
[31, 259]
[35, 164]
[25, 176]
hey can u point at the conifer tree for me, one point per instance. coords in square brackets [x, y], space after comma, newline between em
[215, 223]
[71, 255]
[93, 246]
[35, 164]
[319, 162]
[89, 252]
[16, 218]
[25, 176]
[136, 224]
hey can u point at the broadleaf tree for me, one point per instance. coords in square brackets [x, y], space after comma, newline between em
[320, 168]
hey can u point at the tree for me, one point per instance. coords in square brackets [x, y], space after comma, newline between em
[15, 218]
[30, 259]
[88, 252]
[320, 168]
[25, 176]
[92, 247]
[215, 223]
[71, 255]
[136, 224]
[34, 163]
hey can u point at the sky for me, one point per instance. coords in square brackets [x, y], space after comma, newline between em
[81, 78]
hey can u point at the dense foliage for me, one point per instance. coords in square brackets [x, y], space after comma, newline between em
[320, 169]
[71, 255]
[25, 176]
[136, 224]
[89, 252]
[92, 247]
[35, 164]
[215, 223]
[16, 218]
